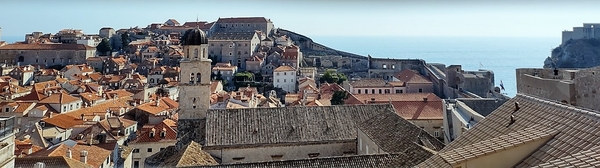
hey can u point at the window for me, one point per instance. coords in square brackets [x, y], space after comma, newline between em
[384, 66]
[379, 91]
[162, 149]
[277, 80]
[149, 149]
[284, 80]
[230, 46]
[230, 53]
[312, 155]
[136, 150]
[366, 91]
[436, 134]
[284, 73]
[420, 90]
[277, 73]
[136, 164]
[6, 110]
[358, 91]
[398, 91]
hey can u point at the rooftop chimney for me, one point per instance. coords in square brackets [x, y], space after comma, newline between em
[424, 99]
[83, 156]
[69, 153]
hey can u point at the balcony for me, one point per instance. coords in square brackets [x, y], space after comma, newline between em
[7, 125]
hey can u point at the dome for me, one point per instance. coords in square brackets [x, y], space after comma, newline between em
[194, 37]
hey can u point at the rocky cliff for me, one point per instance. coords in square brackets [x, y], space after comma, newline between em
[581, 53]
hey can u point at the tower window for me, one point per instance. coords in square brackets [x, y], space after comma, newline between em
[192, 78]
[198, 75]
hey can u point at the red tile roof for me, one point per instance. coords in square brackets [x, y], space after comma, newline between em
[411, 106]
[96, 155]
[163, 128]
[410, 76]
[59, 98]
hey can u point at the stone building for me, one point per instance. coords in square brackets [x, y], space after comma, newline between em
[386, 68]
[242, 24]
[24, 74]
[235, 48]
[46, 54]
[194, 86]
[526, 131]
[285, 77]
[7, 141]
[570, 86]
[589, 30]
[106, 32]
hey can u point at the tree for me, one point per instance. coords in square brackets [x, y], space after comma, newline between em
[124, 40]
[331, 76]
[104, 47]
[338, 97]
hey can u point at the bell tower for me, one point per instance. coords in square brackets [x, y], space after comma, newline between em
[194, 84]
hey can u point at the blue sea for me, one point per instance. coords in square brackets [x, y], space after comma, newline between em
[499, 54]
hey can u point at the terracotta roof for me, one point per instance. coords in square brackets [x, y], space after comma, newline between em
[59, 98]
[576, 133]
[370, 82]
[411, 106]
[70, 119]
[284, 68]
[46, 47]
[296, 124]
[23, 106]
[51, 161]
[213, 86]
[244, 20]
[410, 76]
[96, 155]
[165, 104]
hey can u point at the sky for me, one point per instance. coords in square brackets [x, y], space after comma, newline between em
[525, 18]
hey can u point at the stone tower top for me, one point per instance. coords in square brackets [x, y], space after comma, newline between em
[194, 37]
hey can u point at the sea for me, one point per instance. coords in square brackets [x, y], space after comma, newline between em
[502, 55]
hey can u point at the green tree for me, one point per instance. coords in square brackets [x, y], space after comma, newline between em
[331, 76]
[124, 40]
[104, 47]
[338, 97]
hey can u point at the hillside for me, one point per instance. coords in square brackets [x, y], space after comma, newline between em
[581, 53]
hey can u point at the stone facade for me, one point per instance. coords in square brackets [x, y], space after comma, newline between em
[47, 54]
[589, 30]
[283, 152]
[242, 24]
[234, 48]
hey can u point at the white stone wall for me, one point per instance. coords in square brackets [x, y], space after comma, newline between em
[257, 154]
[143, 150]
[366, 145]
[370, 90]
[285, 80]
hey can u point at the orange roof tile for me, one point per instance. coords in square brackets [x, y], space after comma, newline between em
[410, 76]
[284, 68]
[411, 106]
[59, 98]
[162, 131]
[96, 155]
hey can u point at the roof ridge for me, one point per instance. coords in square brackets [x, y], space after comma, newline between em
[578, 109]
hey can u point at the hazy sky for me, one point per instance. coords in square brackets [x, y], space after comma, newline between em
[312, 17]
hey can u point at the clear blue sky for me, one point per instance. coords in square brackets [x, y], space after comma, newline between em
[312, 17]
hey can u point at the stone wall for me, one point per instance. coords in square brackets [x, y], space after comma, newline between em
[483, 106]
[586, 88]
[189, 130]
[287, 152]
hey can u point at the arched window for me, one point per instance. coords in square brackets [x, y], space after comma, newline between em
[196, 53]
[187, 53]
[204, 53]
[198, 77]
[151, 80]
[21, 59]
[194, 103]
[192, 78]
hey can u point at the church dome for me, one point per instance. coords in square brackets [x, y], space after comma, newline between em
[194, 37]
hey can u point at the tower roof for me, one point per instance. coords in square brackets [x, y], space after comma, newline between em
[195, 37]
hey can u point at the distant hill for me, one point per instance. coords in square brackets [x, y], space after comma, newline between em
[581, 53]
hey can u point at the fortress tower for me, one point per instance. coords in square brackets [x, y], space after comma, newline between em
[194, 88]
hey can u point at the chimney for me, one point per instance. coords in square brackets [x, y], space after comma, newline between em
[83, 117]
[83, 156]
[152, 132]
[69, 153]
[372, 100]
[91, 141]
[157, 102]
[424, 99]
